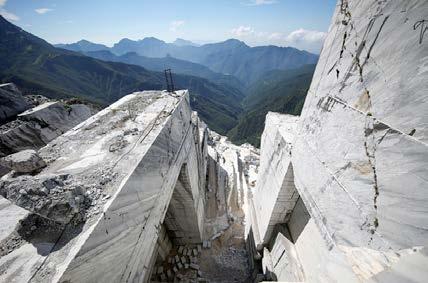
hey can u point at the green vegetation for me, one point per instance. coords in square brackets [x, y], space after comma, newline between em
[39, 68]
[168, 62]
[233, 57]
[277, 91]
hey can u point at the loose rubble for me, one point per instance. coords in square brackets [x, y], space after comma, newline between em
[26, 161]
[60, 198]
[182, 265]
[43, 120]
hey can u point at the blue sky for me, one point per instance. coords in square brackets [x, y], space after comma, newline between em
[298, 23]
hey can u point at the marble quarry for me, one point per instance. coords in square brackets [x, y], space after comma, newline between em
[342, 190]
[144, 191]
[132, 188]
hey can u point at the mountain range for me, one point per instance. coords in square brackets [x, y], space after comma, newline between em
[37, 67]
[183, 42]
[230, 57]
[83, 46]
[168, 62]
[278, 91]
[97, 73]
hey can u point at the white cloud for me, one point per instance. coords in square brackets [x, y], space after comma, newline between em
[175, 25]
[8, 15]
[310, 40]
[260, 2]
[43, 10]
[242, 31]
[303, 35]
[275, 36]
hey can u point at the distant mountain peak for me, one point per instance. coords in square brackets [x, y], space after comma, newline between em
[124, 40]
[184, 42]
[84, 41]
[83, 45]
[6, 23]
[152, 40]
[232, 42]
[3, 20]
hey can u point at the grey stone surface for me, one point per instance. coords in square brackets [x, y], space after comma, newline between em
[10, 216]
[57, 115]
[38, 126]
[11, 102]
[286, 265]
[276, 195]
[60, 198]
[358, 155]
[25, 161]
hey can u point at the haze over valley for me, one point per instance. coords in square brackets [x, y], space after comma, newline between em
[222, 77]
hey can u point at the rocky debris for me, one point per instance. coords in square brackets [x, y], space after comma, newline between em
[118, 143]
[36, 100]
[36, 127]
[228, 254]
[11, 102]
[202, 262]
[25, 161]
[133, 131]
[182, 265]
[10, 125]
[60, 198]
[233, 172]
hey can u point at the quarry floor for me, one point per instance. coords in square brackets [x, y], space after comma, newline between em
[227, 259]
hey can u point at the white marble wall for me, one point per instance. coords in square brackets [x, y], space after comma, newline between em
[360, 152]
[275, 194]
[282, 262]
[183, 218]
[137, 211]
[231, 179]
[133, 184]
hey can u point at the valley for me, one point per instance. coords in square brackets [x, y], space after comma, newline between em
[269, 78]
[94, 73]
